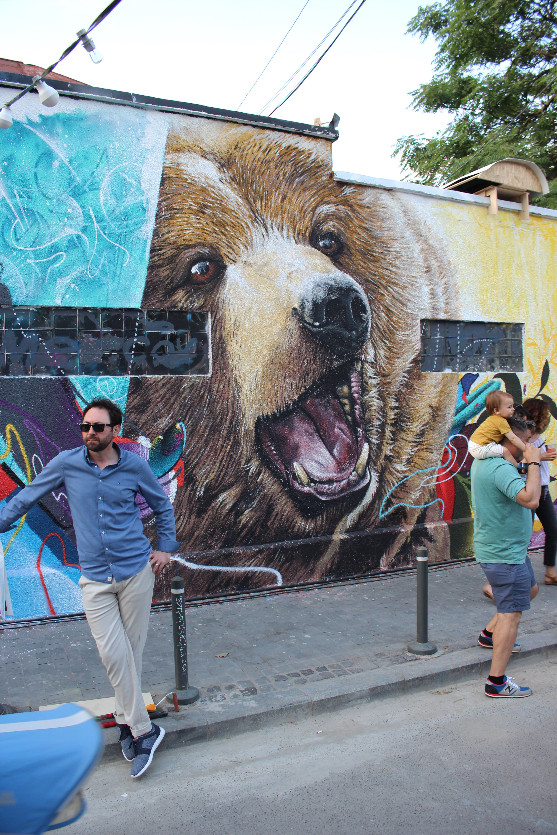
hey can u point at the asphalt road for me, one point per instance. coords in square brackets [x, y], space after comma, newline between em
[443, 761]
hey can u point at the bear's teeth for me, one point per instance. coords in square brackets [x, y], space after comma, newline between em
[301, 474]
[343, 391]
[347, 410]
[361, 463]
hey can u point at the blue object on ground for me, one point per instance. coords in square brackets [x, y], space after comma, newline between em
[45, 756]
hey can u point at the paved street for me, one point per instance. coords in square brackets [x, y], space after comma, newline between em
[438, 761]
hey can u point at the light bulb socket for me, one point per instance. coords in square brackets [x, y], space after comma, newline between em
[6, 118]
[47, 94]
[89, 45]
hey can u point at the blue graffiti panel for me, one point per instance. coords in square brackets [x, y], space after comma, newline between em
[76, 217]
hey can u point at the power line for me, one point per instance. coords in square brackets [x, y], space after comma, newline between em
[321, 42]
[320, 57]
[272, 56]
[67, 51]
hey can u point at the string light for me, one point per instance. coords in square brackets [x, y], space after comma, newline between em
[89, 45]
[6, 117]
[48, 95]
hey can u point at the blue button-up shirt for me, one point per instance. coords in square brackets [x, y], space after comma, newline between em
[110, 540]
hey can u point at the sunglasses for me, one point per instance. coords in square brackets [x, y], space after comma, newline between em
[97, 427]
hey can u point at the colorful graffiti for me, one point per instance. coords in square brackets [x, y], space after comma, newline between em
[316, 445]
[40, 558]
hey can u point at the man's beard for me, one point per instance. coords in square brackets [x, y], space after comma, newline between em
[95, 445]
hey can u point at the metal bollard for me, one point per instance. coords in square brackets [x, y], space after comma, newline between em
[184, 694]
[421, 646]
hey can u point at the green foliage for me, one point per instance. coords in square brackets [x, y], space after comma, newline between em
[496, 71]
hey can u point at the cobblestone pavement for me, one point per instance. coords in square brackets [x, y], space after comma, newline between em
[281, 644]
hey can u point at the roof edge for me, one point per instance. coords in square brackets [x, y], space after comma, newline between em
[84, 91]
[435, 192]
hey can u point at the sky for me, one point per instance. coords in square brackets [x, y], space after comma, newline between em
[210, 52]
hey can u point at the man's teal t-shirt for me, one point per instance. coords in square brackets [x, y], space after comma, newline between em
[502, 527]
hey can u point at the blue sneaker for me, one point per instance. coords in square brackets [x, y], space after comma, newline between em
[508, 690]
[127, 742]
[145, 747]
[487, 642]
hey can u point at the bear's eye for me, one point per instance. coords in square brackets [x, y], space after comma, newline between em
[328, 243]
[205, 270]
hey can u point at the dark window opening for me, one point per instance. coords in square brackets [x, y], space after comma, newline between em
[449, 345]
[54, 341]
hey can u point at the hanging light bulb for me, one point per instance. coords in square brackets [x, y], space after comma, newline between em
[6, 118]
[89, 45]
[47, 95]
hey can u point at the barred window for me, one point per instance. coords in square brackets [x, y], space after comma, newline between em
[52, 341]
[448, 345]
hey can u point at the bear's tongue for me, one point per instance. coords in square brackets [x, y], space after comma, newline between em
[316, 436]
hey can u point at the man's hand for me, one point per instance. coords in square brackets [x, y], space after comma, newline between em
[530, 496]
[158, 560]
[532, 454]
[549, 455]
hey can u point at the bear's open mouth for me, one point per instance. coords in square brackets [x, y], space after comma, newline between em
[318, 444]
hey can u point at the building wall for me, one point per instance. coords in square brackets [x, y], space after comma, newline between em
[312, 447]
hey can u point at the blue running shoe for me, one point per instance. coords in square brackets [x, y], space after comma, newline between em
[145, 747]
[487, 642]
[508, 690]
[127, 742]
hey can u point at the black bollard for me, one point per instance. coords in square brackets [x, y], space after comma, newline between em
[421, 646]
[184, 694]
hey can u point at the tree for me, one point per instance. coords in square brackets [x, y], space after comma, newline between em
[495, 69]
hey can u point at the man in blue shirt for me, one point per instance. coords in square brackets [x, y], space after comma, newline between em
[502, 505]
[118, 568]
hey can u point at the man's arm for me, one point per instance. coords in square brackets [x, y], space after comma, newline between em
[530, 496]
[159, 503]
[50, 478]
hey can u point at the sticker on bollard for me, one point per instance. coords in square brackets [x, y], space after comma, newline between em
[183, 693]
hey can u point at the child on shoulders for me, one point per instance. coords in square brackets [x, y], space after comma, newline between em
[485, 441]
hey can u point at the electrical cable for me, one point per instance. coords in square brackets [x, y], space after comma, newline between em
[307, 75]
[66, 52]
[273, 55]
[302, 65]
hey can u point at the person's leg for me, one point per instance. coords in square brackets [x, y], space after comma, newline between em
[102, 610]
[504, 637]
[534, 588]
[547, 516]
[134, 598]
[489, 450]
[487, 591]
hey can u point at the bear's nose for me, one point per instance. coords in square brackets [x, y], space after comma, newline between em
[336, 313]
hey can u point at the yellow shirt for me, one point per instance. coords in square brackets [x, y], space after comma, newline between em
[493, 429]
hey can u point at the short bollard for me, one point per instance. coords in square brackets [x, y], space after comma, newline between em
[185, 694]
[421, 646]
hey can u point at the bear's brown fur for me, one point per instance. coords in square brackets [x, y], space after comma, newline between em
[253, 228]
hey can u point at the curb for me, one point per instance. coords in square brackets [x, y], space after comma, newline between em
[217, 721]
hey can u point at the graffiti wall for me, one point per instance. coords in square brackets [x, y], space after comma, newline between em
[278, 394]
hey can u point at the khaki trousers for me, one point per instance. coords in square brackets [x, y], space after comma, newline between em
[118, 616]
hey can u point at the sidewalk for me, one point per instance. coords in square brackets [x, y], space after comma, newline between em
[262, 660]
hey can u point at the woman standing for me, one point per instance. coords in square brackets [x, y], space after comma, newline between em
[538, 410]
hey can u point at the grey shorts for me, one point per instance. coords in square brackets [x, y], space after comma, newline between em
[511, 584]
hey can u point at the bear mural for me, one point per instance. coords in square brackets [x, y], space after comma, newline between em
[303, 442]
[277, 387]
